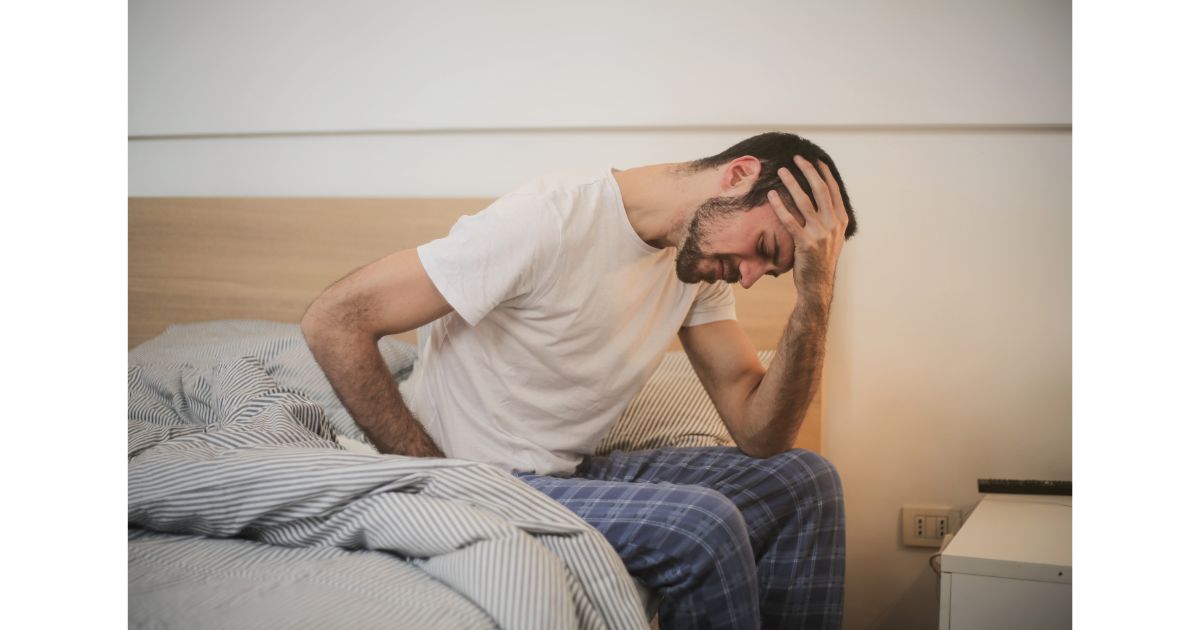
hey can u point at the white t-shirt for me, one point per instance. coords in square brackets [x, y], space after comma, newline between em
[561, 312]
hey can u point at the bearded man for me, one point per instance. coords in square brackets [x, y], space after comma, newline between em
[551, 308]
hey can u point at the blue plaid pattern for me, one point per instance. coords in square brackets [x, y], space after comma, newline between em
[726, 540]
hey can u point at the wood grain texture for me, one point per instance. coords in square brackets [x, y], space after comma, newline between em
[200, 259]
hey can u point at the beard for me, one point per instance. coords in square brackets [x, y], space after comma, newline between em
[691, 252]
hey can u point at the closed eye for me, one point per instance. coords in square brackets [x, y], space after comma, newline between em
[774, 257]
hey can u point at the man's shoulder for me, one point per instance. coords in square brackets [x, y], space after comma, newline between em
[566, 182]
[578, 200]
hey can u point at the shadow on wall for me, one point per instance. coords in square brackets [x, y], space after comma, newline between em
[913, 609]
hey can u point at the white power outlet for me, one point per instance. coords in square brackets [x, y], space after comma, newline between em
[926, 525]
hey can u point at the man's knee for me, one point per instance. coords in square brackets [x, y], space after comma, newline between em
[805, 499]
[714, 512]
[711, 532]
[812, 475]
[778, 485]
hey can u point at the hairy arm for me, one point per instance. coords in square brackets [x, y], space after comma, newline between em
[343, 327]
[764, 409]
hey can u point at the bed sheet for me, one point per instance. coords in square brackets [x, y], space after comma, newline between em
[244, 511]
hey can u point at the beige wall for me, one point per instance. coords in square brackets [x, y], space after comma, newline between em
[950, 349]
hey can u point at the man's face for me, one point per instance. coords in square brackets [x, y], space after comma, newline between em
[727, 243]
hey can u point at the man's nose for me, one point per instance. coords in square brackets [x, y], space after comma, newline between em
[750, 273]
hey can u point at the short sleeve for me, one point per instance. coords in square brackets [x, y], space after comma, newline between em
[496, 255]
[714, 302]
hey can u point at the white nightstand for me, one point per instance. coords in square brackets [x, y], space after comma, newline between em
[1009, 566]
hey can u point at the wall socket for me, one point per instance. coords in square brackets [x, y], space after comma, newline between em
[926, 525]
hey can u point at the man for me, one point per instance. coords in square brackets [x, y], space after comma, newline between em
[552, 307]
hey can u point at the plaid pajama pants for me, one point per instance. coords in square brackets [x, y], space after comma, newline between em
[724, 539]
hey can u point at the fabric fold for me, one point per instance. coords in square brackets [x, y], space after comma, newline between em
[222, 450]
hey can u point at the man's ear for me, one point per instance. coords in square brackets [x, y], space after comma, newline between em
[740, 174]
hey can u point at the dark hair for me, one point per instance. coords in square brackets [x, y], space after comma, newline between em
[774, 150]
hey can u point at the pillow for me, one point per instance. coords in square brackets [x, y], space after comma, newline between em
[283, 352]
[672, 410]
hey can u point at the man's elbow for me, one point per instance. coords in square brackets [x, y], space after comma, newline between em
[764, 451]
[317, 323]
[764, 446]
[333, 320]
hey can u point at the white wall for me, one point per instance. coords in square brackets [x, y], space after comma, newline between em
[949, 353]
[270, 65]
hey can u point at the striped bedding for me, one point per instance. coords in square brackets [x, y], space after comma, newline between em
[244, 511]
[671, 411]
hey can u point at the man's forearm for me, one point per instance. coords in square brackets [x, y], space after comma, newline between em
[818, 225]
[783, 396]
[363, 383]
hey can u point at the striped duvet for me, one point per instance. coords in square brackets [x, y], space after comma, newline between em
[245, 512]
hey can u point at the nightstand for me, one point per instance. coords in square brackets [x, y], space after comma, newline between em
[1009, 566]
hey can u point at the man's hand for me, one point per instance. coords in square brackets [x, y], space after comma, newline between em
[819, 233]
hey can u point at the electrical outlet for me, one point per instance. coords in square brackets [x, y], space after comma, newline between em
[926, 525]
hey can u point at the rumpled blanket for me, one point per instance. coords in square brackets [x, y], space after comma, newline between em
[220, 449]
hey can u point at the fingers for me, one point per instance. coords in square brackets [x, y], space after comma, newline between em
[835, 191]
[817, 184]
[822, 214]
[817, 232]
[807, 214]
[830, 211]
[794, 227]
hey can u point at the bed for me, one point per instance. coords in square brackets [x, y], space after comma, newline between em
[253, 498]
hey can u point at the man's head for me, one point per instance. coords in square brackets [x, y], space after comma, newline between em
[736, 237]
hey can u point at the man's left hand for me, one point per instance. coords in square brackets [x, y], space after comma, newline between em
[819, 233]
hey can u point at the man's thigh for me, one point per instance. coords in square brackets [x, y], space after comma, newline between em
[688, 544]
[711, 467]
[656, 527]
[764, 490]
[618, 508]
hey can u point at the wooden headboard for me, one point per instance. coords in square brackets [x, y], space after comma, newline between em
[198, 259]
